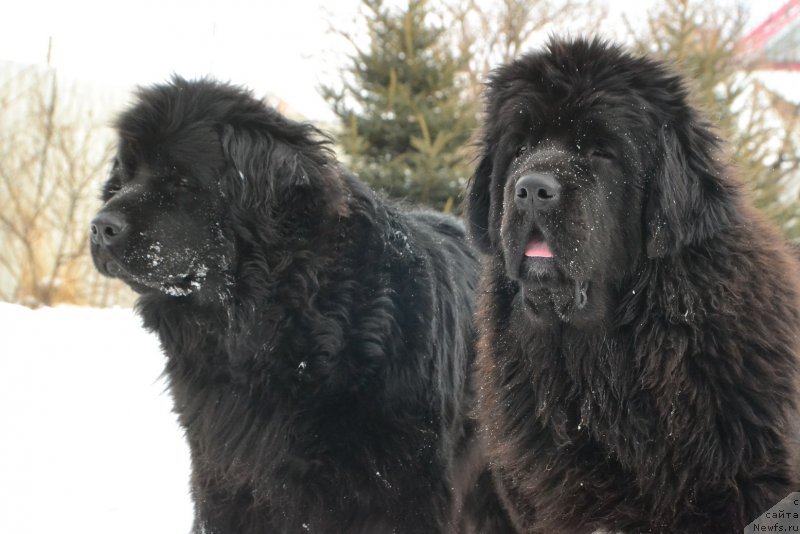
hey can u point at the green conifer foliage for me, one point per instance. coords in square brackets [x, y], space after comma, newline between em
[404, 123]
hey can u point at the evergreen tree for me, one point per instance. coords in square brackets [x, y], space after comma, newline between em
[405, 124]
[700, 39]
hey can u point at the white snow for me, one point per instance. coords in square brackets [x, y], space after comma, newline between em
[88, 441]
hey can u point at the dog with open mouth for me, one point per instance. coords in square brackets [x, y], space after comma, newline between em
[552, 255]
[639, 323]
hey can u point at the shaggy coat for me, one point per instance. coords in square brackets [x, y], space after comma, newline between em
[638, 322]
[318, 338]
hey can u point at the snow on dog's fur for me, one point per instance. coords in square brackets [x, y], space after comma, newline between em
[318, 337]
[639, 323]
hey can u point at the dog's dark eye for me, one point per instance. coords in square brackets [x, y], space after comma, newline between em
[111, 187]
[520, 150]
[601, 154]
[182, 183]
[111, 190]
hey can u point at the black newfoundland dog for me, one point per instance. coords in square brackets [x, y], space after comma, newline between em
[638, 322]
[318, 338]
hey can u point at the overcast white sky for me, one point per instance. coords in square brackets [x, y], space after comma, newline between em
[278, 47]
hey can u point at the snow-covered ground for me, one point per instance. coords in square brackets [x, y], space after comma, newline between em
[88, 442]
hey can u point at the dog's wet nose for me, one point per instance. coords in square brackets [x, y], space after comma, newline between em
[108, 228]
[537, 190]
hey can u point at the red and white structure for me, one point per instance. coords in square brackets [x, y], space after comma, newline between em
[775, 43]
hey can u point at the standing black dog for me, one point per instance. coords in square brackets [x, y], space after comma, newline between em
[639, 324]
[318, 338]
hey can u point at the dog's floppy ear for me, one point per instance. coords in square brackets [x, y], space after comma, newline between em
[268, 169]
[689, 199]
[248, 155]
[478, 204]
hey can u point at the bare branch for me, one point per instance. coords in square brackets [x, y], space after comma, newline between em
[51, 153]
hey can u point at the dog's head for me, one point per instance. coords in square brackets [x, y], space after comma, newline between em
[203, 174]
[592, 161]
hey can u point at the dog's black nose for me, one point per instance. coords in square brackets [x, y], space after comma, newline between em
[537, 190]
[108, 228]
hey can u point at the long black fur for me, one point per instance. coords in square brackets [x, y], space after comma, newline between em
[318, 337]
[666, 400]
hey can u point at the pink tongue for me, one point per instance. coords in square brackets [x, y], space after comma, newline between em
[538, 249]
